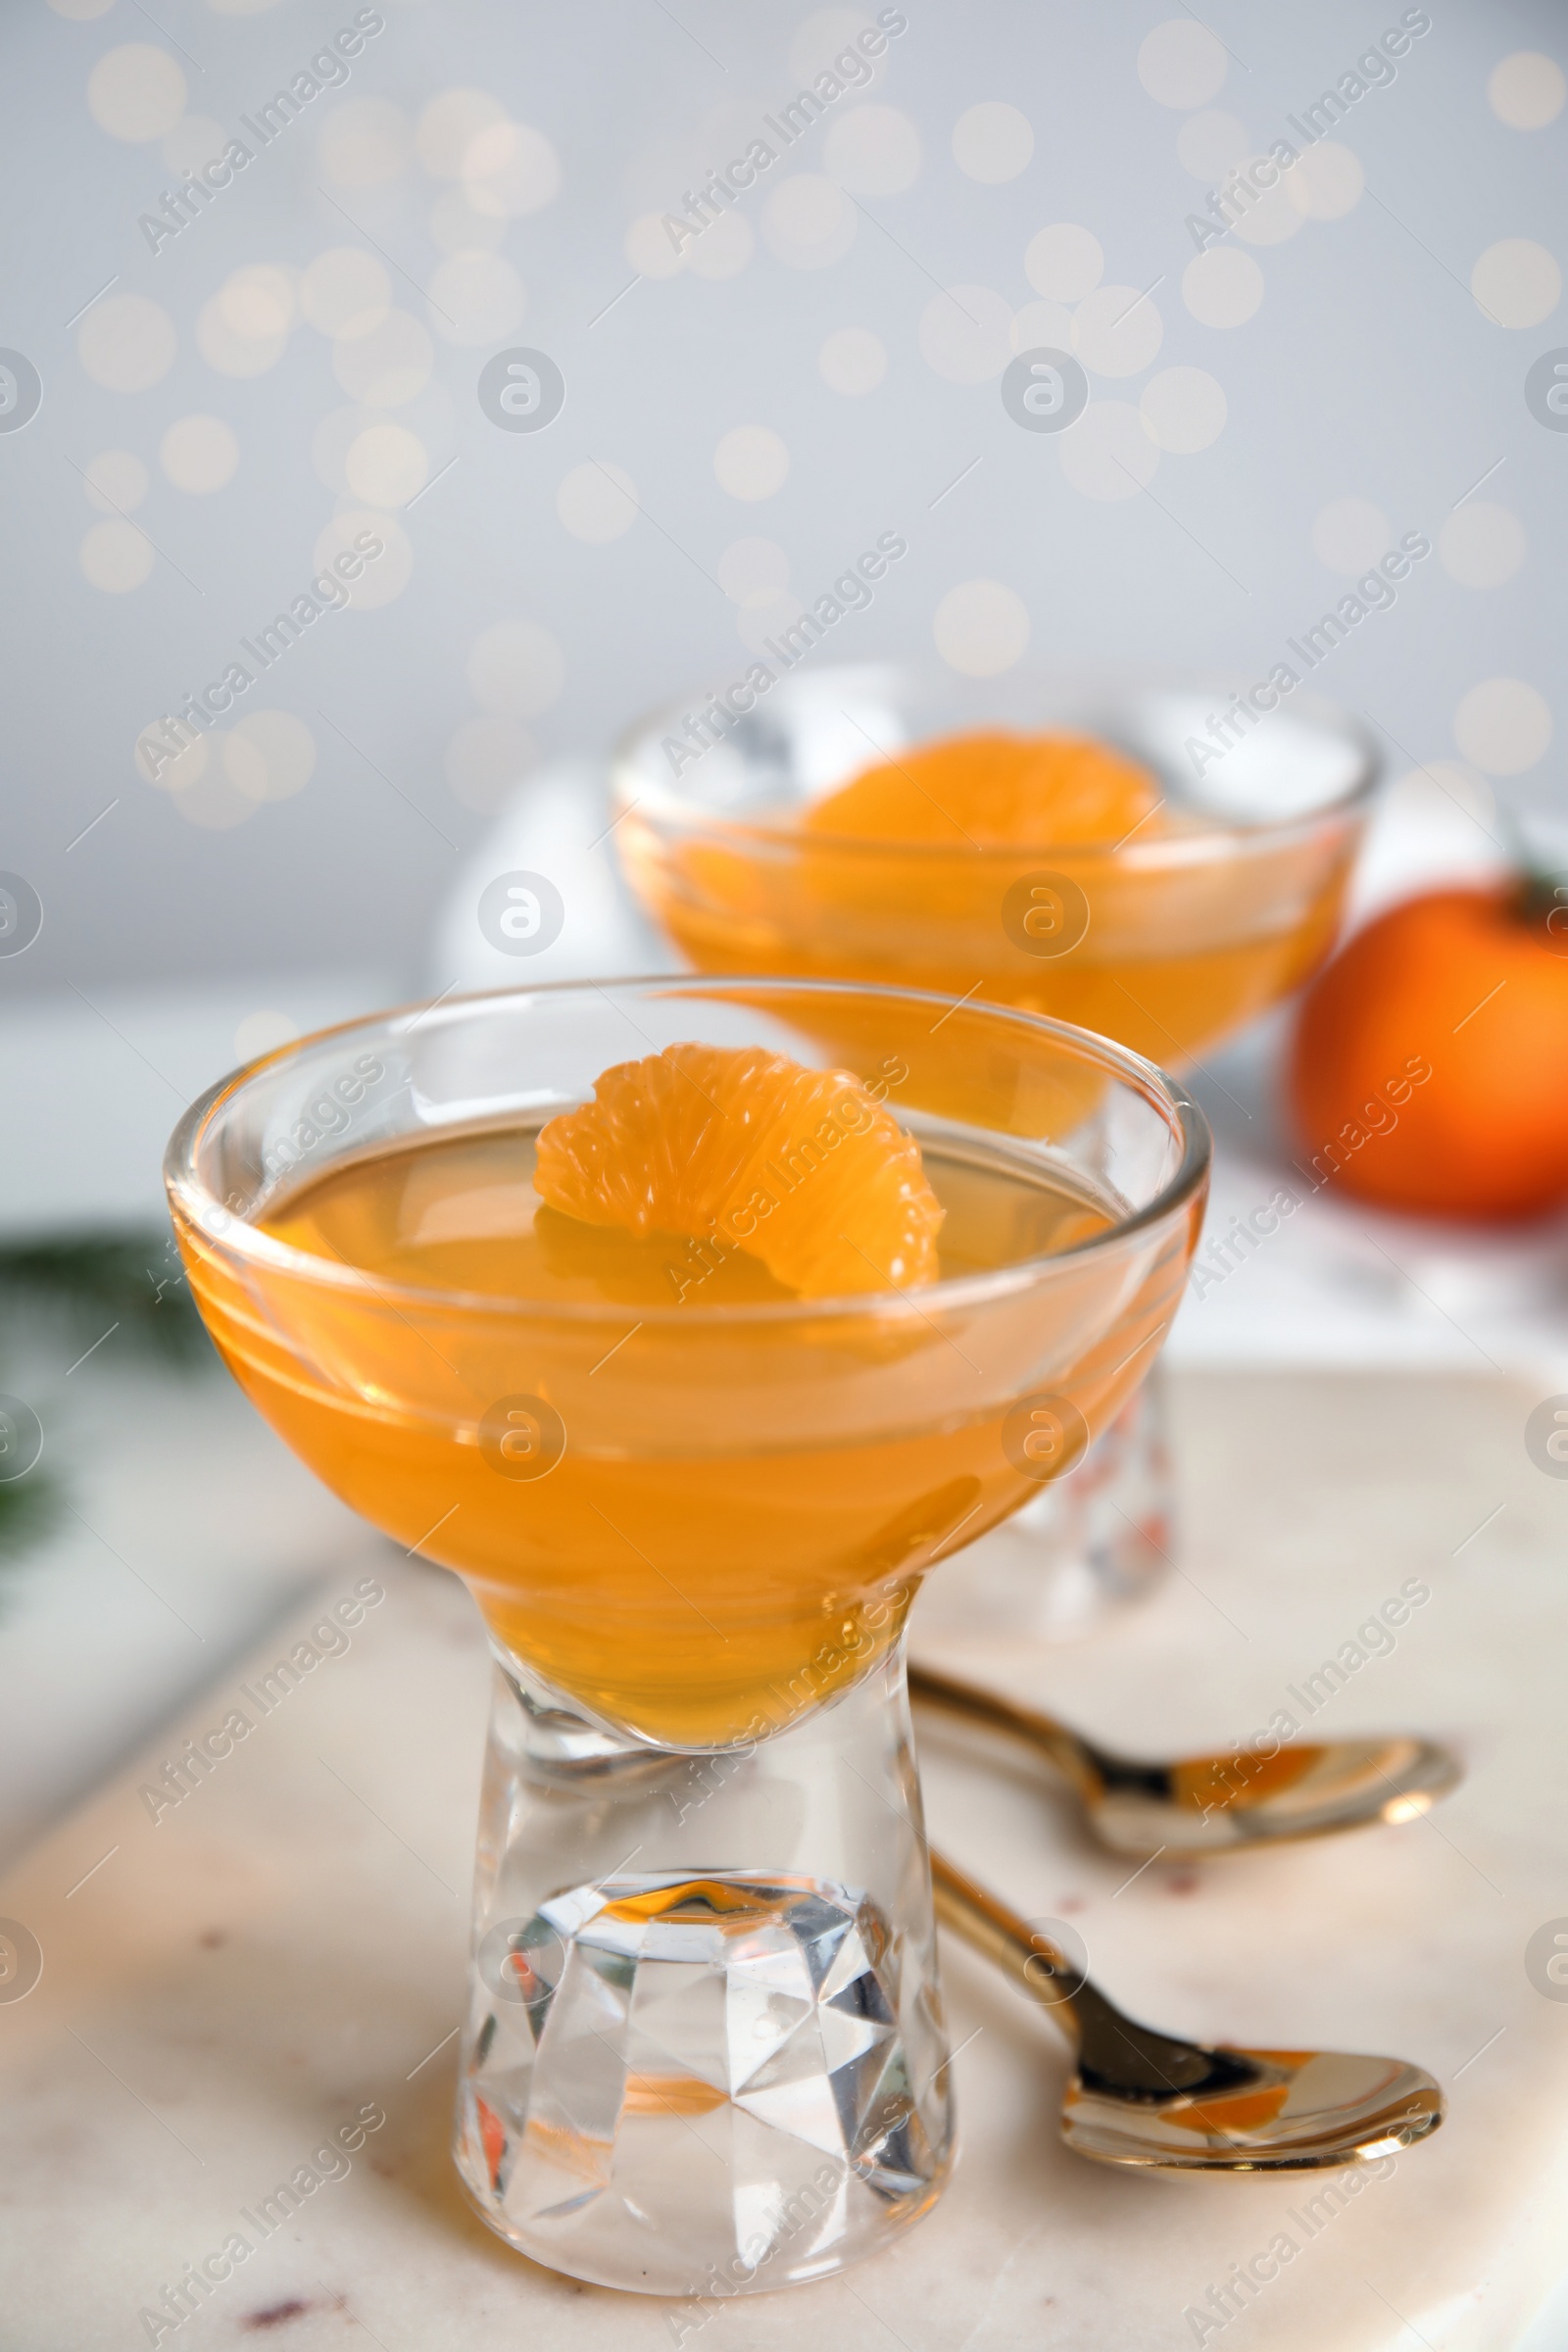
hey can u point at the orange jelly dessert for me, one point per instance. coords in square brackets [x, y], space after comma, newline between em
[1051, 872]
[691, 1322]
[691, 1381]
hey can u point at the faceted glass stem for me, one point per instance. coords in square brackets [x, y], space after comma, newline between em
[705, 2050]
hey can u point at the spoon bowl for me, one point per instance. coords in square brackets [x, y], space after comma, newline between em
[1260, 2111]
[1150, 2100]
[1206, 1805]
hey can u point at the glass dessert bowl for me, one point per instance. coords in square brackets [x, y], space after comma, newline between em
[1193, 873]
[693, 1473]
[1167, 934]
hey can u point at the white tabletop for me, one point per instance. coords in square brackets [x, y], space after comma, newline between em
[231, 1983]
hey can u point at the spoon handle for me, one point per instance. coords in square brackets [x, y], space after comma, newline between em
[1067, 1750]
[1120, 2059]
[1027, 1955]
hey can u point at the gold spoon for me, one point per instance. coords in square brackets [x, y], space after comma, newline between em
[1143, 2098]
[1206, 1805]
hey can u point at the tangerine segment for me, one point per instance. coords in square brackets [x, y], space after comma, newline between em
[996, 790]
[803, 1169]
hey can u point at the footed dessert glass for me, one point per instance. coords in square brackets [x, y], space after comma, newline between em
[704, 2040]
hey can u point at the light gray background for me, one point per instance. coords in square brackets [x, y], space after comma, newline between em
[1368, 373]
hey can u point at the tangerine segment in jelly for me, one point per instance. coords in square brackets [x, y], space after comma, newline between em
[800, 1168]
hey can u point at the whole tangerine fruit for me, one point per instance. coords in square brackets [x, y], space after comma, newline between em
[1429, 1067]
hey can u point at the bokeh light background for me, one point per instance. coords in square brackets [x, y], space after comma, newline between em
[300, 365]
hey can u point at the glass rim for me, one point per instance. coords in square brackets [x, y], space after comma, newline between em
[252, 1243]
[667, 802]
